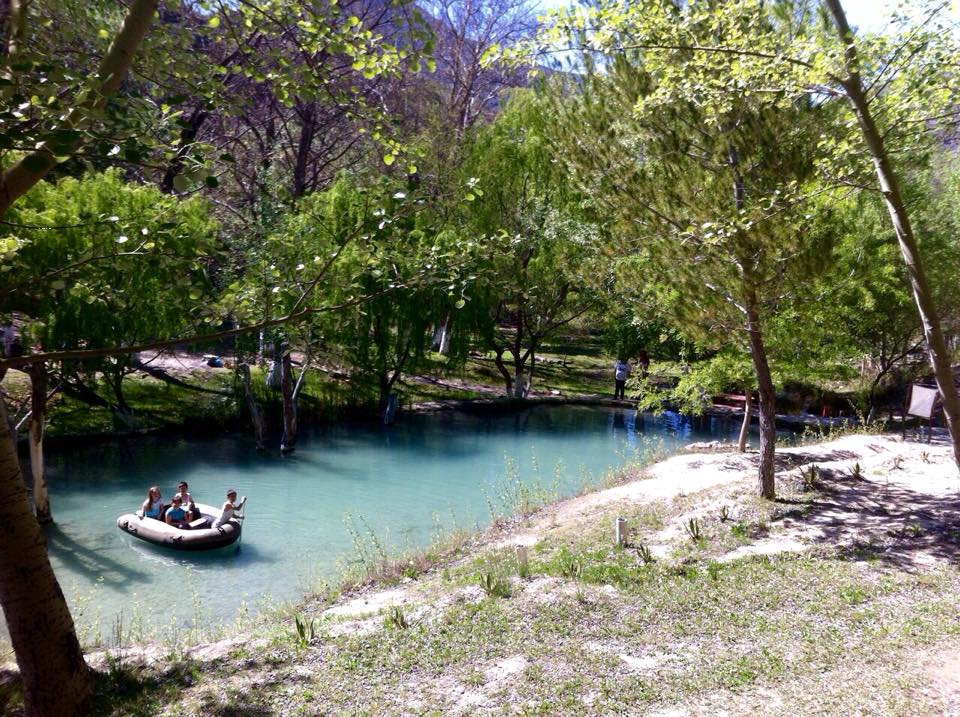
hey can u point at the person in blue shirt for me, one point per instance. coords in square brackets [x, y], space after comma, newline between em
[153, 506]
[176, 515]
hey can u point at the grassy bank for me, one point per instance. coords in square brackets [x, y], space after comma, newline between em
[720, 602]
[211, 401]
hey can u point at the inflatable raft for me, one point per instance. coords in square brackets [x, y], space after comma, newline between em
[199, 538]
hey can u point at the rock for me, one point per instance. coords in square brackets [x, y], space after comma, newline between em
[710, 447]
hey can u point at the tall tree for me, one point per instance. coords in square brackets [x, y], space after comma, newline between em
[914, 80]
[544, 266]
[55, 677]
[709, 191]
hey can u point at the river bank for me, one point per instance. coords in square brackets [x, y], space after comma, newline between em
[838, 598]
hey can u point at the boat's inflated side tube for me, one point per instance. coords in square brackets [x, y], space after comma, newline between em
[159, 533]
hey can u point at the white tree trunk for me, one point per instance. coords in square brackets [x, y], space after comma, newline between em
[745, 426]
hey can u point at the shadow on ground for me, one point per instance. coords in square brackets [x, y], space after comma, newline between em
[874, 519]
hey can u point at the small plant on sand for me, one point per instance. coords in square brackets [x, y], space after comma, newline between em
[740, 530]
[810, 477]
[913, 530]
[925, 456]
[856, 472]
[725, 514]
[694, 530]
[395, 618]
[645, 554]
[493, 585]
[713, 570]
[570, 567]
[305, 631]
[897, 463]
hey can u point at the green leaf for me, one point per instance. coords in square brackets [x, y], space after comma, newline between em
[389, 159]
[214, 21]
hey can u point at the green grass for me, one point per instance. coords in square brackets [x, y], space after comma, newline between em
[595, 630]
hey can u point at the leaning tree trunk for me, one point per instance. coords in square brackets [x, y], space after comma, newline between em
[38, 415]
[502, 368]
[288, 443]
[892, 197]
[766, 405]
[256, 415]
[56, 680]
[745, 426]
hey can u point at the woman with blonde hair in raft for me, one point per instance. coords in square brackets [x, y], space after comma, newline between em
[153, 506]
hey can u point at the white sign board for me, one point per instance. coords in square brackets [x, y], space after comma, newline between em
[923, 400]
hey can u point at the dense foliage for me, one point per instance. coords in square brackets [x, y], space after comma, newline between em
[746, 187]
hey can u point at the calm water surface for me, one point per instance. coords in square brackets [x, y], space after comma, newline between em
[428, 473]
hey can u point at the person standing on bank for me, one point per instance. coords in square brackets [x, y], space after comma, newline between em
[621, 372]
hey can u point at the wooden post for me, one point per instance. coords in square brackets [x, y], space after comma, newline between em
[256, 416]
[523, 561]
[620, 532]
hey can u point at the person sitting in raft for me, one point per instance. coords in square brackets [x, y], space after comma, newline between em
[187, 500]
[230, 508]
[176, 515]
[153, 506]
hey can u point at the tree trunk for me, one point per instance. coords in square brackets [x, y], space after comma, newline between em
[383, 391]
[745, 426]
[767, 403]
[56, 680]
[274, 378]
[256, 416]
[308, 128]
[892, 197]
[443, 341]
[533, 365]
[38, 414]
[288, 443]
[502, 368]
[122, 414]
[187, 136]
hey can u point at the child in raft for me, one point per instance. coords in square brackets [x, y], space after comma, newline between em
[187, 500]
[230, 508]
[176, 515]
[153, 506]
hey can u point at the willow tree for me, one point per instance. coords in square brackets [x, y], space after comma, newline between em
[709, 191]
[543, 267]
[97, 262]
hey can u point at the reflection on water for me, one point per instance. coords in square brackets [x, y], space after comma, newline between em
[403, 483]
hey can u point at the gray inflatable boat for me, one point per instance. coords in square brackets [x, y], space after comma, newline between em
[201, 537]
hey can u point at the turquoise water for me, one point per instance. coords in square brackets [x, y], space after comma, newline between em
[425, 475]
